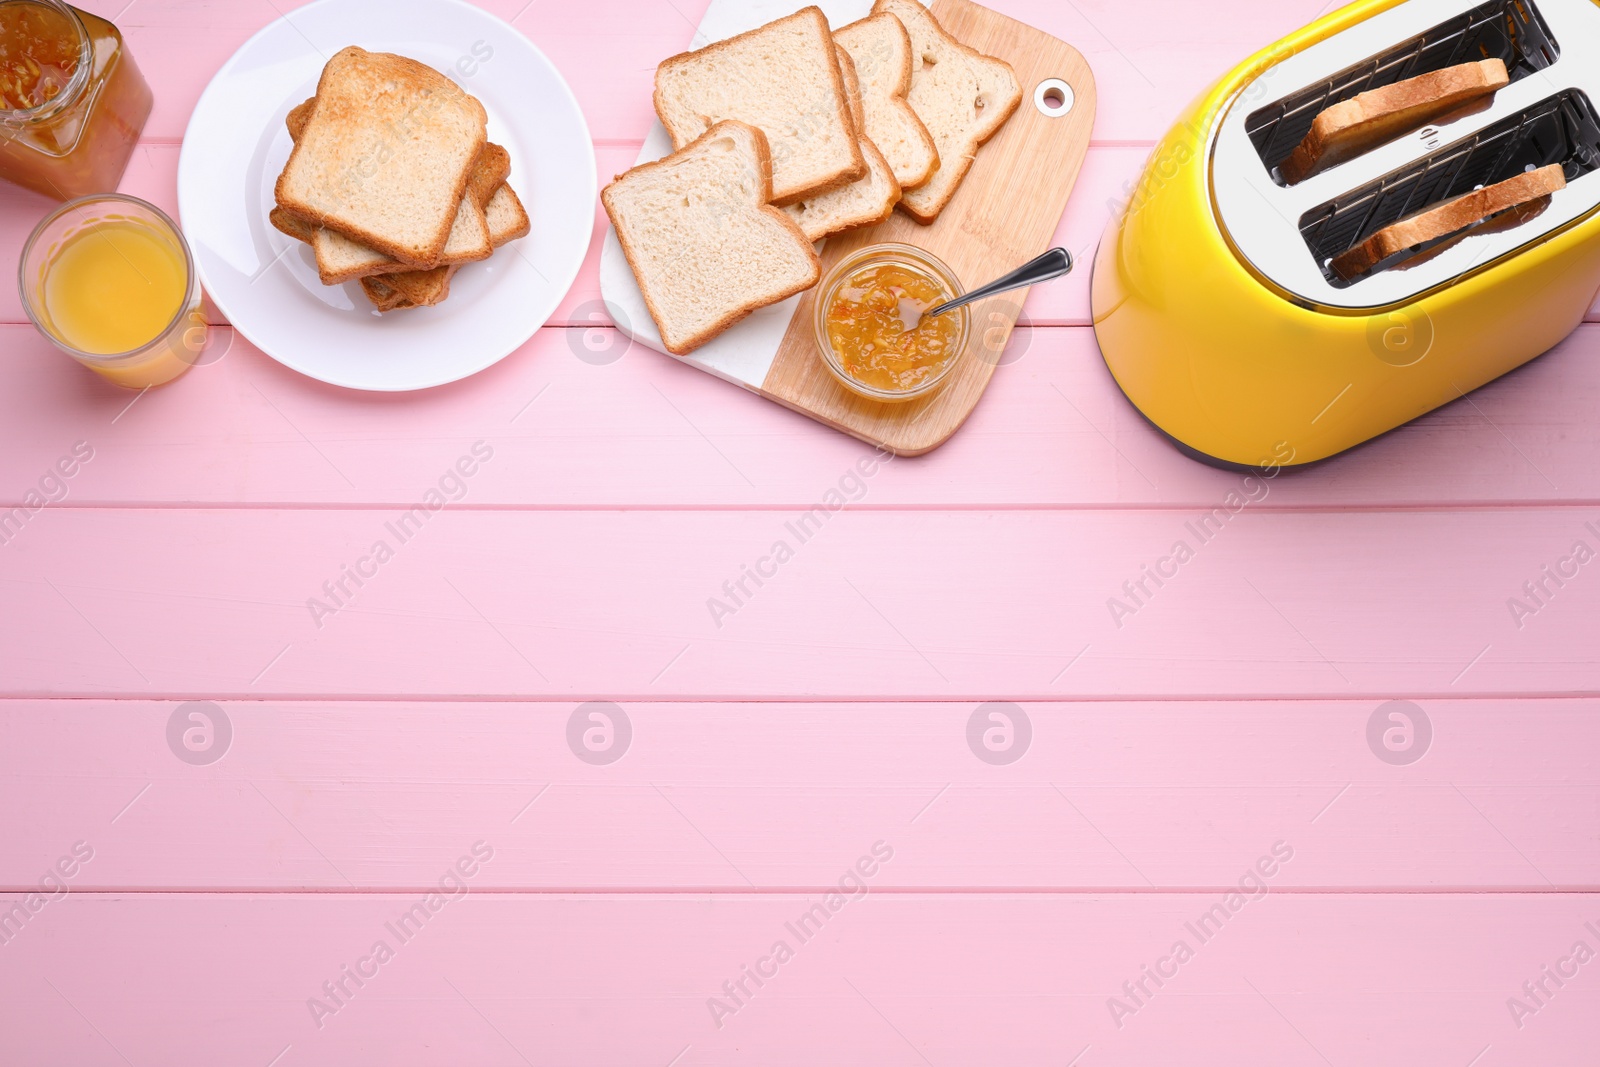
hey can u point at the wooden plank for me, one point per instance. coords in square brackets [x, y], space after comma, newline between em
[1148, 61]
[1001, 216]
[632, 604]
[571, 429]
[1125, 796]
[897, 979]
[608, 57]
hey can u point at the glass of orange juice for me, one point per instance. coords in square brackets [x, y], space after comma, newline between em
[110, 280]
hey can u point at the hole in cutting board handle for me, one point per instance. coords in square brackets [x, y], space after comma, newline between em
[1053, 97]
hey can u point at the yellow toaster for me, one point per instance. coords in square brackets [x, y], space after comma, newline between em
[1218, 298]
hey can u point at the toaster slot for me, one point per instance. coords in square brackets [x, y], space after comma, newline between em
[1561, 129]
[1509, 30]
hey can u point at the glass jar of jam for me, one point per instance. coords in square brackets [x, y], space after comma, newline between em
[72, 101]
[869, 329]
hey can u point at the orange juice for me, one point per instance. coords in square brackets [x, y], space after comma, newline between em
[110, 280]
[115, 286]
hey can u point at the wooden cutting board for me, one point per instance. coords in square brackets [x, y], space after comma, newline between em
[1005, 213]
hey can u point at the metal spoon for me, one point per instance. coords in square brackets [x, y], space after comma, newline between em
[1053, 264]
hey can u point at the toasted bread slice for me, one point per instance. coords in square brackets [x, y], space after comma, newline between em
[291, 224]
[385, 155]
[425, 288]
[1450, 217]
[782, 78]
[382, 297]
[298, 116]
[508, 220]
[703, 240]
[385, 298]
[490, 169]
[881, 51]
[863, 202]
[394, 292]
[340, 259]
[489, 172]
[1364, 122]
[961, 95]
[409, 289]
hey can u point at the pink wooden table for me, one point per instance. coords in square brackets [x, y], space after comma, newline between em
[404, 771]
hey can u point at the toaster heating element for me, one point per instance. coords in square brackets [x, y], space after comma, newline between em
[1220, 300]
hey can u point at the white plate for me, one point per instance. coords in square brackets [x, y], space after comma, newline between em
[266, 283]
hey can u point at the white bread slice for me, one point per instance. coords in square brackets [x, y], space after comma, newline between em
[703, 240]
[852, 90]
[782, 78]
[881, 51]
[863, 202]
[385, 155]
[961, 95]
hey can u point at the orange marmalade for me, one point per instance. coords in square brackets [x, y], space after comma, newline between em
[867, 325]
[38, 55]
[72, 102]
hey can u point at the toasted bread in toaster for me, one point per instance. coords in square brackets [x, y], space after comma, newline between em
[1442, 220]
[784, 79]
[881, 50]
[385, 155]
[1364, 122]
[960, 94]
[702, 238]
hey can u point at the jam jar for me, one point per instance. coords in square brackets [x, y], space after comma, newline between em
[72, 101]
[868, 325]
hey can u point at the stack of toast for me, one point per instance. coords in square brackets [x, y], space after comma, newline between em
[789, 133]
[393, 181]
